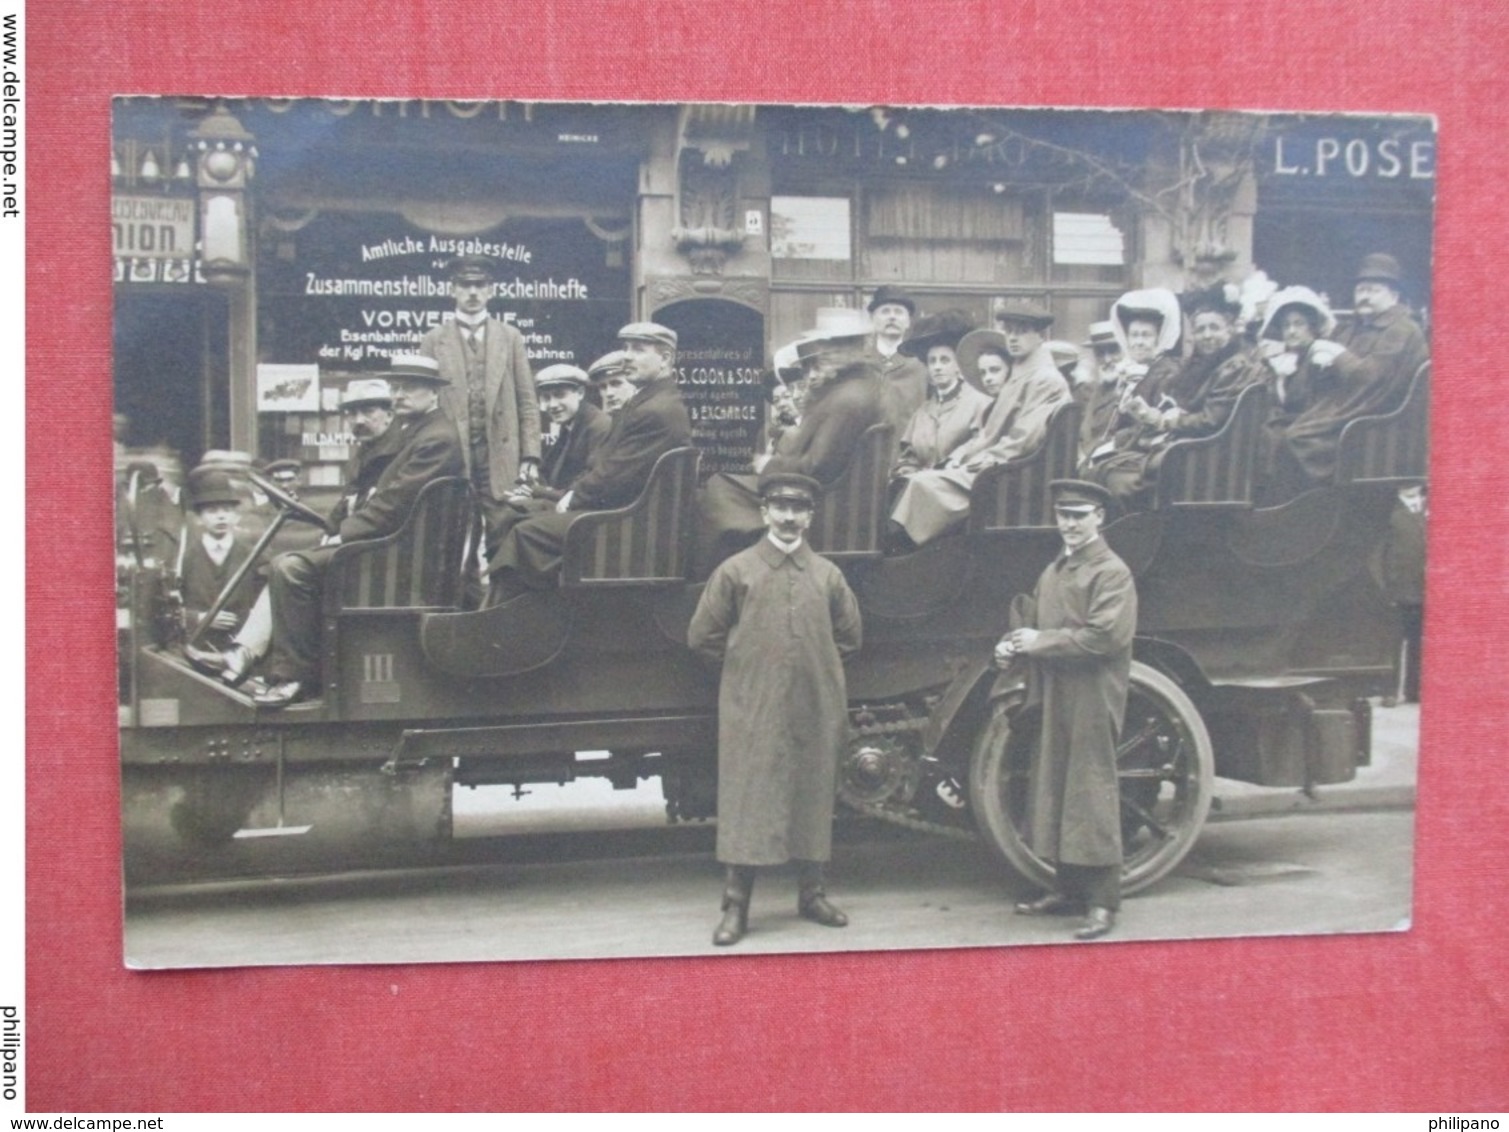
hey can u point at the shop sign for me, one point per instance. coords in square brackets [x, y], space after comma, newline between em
[349, 290]
[720, 362]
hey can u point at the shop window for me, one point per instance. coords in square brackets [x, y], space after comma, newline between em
[811, 238]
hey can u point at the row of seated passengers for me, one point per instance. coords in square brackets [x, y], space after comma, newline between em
[985, 397]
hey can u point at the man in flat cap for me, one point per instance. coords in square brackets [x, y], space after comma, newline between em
[489, 391]
[577, 429]
[428, 448]
[650, 424]
[610, 379]
[780, 620]
[1076, 634]
[891, 313]
[286, 474]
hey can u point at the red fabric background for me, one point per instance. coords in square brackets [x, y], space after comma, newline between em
[1404, 1021]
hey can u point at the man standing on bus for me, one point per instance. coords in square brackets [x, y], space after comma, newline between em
[1076, 633]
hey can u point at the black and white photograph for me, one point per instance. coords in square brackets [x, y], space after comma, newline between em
[558, 530]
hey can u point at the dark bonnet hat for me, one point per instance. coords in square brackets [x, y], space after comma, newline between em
[946, 328]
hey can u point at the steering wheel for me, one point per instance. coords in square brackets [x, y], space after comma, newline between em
[288, 503]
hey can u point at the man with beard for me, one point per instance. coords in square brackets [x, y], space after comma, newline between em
[780, 619]
[1075, 632]
[367, 406]
[1195, 400]
[651, 423]
[903, 376]
[427, 448]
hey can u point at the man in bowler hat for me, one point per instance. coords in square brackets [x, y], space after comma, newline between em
[781, 620]
[891, 313]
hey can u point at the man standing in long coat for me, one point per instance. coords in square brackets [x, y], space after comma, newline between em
[781, 620]
[488, 392]
[1077, 632]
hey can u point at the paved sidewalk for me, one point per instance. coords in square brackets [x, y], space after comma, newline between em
[1388, 783]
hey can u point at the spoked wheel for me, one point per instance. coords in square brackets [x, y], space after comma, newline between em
[1166, 766]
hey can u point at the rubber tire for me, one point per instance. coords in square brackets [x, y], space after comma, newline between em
[999, 753]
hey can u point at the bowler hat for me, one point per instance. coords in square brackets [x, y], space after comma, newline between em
[611, 364]
[416, 367]
[210, 487]
[648, 332]
[145, 472]
[1078, 495]
[791, 486]
[364, 391]
[946, 328]
[469, 268]
[1022, 310]
[1379, 267]
[561, 374]
[887, 293]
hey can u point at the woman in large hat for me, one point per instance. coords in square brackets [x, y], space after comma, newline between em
[937, 500]
[955, 408]
[1195, 400]
[1147, 324]
[1312, 382]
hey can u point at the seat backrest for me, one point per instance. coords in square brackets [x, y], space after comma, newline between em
[849, 523]
[646, 543]
[1015, 495]
[418, 566]
[1219, 470]
[1391, 448]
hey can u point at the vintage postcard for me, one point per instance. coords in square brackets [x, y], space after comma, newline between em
[554, 530]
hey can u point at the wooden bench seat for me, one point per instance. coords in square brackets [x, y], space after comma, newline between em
[419, 566]
[1391, 448]
[1219, 470]
[649, 542]
[1014, 495]
[849, 523]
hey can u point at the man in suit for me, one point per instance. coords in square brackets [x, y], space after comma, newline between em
[488, 392]
[650, 424]
[891, 313]
[428, 448]
[577, 429]
[367, 407]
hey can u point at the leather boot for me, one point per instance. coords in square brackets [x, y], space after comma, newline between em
[812, 902]
[737, 889]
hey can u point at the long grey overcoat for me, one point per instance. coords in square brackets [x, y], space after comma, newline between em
[782, 626]
[1086, 614]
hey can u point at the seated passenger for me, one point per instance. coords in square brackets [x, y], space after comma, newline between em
[651, 423]
[610, 381]
[209, 557]
[1147, 324]
[367, 410]
[784, 392]
[844, 397]
[428, 447]
[935, 501]
[575, 430]
[1195, 400]
[1100, 393]
[954, 410]
[1312, 383]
